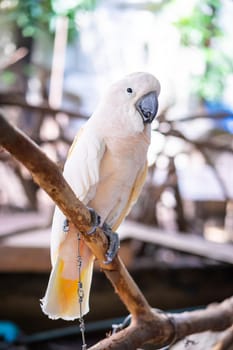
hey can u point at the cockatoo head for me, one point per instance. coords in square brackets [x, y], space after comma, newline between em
[130, 104]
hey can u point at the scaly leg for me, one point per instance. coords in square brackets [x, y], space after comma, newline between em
[114, 243]
[113, 238]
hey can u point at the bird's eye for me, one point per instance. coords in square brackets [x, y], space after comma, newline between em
[129, 90]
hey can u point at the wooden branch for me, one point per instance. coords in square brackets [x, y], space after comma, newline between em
[179, 241]
[215, 116]
[146, 325]
[17, 100]
[16, 56]
[198, 144]
[226, 341]
[214, 318]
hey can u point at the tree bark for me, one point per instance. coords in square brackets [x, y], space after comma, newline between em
[146, 325]
[225, 342]
[8, 99]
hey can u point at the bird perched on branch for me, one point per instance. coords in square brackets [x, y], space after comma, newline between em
[106, 168]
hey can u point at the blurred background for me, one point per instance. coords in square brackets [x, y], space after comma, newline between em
[57, 57]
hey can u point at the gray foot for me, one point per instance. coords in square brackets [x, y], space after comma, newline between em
[114, 243]
[95, 221]
[66, 225]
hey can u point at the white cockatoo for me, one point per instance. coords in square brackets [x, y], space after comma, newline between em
[106, 168]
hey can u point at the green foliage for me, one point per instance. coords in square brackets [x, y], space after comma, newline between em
[202, 30]
[7, 78]
[202, 25]
[211, 84]
[33, 16]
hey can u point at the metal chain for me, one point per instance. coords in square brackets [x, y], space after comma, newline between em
[80, 287]
[81, 296]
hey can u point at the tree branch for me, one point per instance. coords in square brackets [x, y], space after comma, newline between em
[19, 101]
[16, 56]
[146, 324]
[215, 116]
[225, 342]
[214, 318]
[199, 144]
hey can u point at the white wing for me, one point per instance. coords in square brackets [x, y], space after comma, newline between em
[82, 173]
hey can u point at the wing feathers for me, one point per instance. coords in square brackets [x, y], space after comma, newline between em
[82, 173]
[82, 166]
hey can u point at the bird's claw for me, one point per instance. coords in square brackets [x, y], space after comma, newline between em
[66, 225]
[95, 221]
[114, 243]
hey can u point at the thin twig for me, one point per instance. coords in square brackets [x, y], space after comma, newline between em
[17, 100]
[14, 58]
[197, 144]
[214, 116]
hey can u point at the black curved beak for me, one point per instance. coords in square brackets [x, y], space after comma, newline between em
[147, 106]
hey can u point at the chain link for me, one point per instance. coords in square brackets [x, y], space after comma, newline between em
[81, 296]
[80, 287]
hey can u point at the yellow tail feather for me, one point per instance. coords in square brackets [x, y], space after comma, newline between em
[61, 299]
